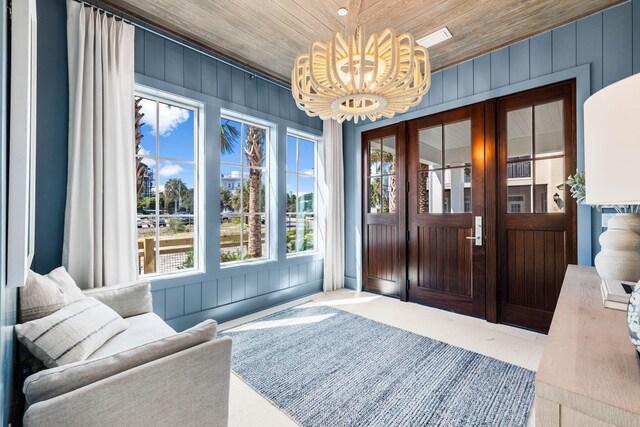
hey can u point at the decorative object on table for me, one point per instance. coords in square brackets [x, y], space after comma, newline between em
[353, 76]
[616, 293]
[619, 258]
[633, 318]
[611, 129]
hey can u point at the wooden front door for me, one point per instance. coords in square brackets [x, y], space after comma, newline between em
[446, 210]
[384, 265]
[536, 214]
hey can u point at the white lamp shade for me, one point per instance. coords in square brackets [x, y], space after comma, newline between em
[612, 144]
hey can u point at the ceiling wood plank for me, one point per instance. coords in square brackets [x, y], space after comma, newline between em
[268, 35]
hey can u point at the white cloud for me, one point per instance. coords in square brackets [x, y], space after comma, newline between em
[170, 169]
[149, 162]
[170, 117]
[143, 152]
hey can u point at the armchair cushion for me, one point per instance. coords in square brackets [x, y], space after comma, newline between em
[47, 384]
[126, 299]
[71, 333]
[142, 329]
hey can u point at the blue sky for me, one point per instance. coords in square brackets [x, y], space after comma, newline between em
[176, 130]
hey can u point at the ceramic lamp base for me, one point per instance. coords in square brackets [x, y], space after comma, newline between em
[619, 258]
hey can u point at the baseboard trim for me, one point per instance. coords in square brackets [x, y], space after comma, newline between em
[245, 307]
[351, 283]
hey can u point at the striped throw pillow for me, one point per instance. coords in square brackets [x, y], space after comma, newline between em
[72, 333]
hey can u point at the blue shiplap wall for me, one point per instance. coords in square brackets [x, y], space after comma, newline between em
[8, 297]
[161, 64]
[596, 50]
[225, 293]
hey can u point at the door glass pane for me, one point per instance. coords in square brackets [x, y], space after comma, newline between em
[388, 155]
[518, 198]
[436, 191]
[423, 188]
[375, 168]
[388, 194]
[549, 129]
[374, 194]
[457, 144]
[519, 135]
[457, 190]
[431, 146]
[549, 185]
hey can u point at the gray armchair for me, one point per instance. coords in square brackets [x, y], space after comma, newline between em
[146, 375]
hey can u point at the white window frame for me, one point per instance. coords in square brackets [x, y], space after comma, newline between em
[271, 136]
[316, 140]
[198, 109]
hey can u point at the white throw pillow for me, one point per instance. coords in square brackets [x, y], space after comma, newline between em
[72, 333]
[43, 295]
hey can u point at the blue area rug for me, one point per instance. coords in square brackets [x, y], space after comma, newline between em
[326, 367]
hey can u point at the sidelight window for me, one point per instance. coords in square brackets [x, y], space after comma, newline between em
[301, 231]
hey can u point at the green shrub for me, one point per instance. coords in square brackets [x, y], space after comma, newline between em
[228, 256]
[188, 262]
[176, 226]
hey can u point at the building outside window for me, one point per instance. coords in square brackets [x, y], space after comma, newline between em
[301, 197]
[167, 140]
[244, 193]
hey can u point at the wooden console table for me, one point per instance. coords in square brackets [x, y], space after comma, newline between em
[589, 374]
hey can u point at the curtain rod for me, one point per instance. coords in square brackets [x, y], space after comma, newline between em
[247, 70]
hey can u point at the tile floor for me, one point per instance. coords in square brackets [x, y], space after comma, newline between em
[512, 345]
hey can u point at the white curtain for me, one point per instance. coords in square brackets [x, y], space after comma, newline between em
[99, 231]
[334, 241]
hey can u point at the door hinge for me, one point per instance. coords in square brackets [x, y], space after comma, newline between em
[408, 235]
[408, 285]
[407, 186]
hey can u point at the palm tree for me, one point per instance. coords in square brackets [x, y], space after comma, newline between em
[254, 151]
[141, 168]
[174, 190]
[228, 137]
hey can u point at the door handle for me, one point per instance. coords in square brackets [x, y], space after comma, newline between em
[478, 229]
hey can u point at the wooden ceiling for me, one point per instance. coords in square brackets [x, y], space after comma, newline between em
[269, 34]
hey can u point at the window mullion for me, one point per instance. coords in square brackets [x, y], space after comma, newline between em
[157, 242]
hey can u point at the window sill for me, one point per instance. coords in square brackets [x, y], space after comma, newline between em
[245, 264]
[304, 254]
[160, 277]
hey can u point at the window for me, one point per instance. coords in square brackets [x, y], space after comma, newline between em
[301, 194]
[244, 192]
[167, 137]
[536, 157]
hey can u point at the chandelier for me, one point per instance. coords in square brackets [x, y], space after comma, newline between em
[361, 78]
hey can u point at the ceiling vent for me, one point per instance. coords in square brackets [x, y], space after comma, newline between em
[435, 38]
